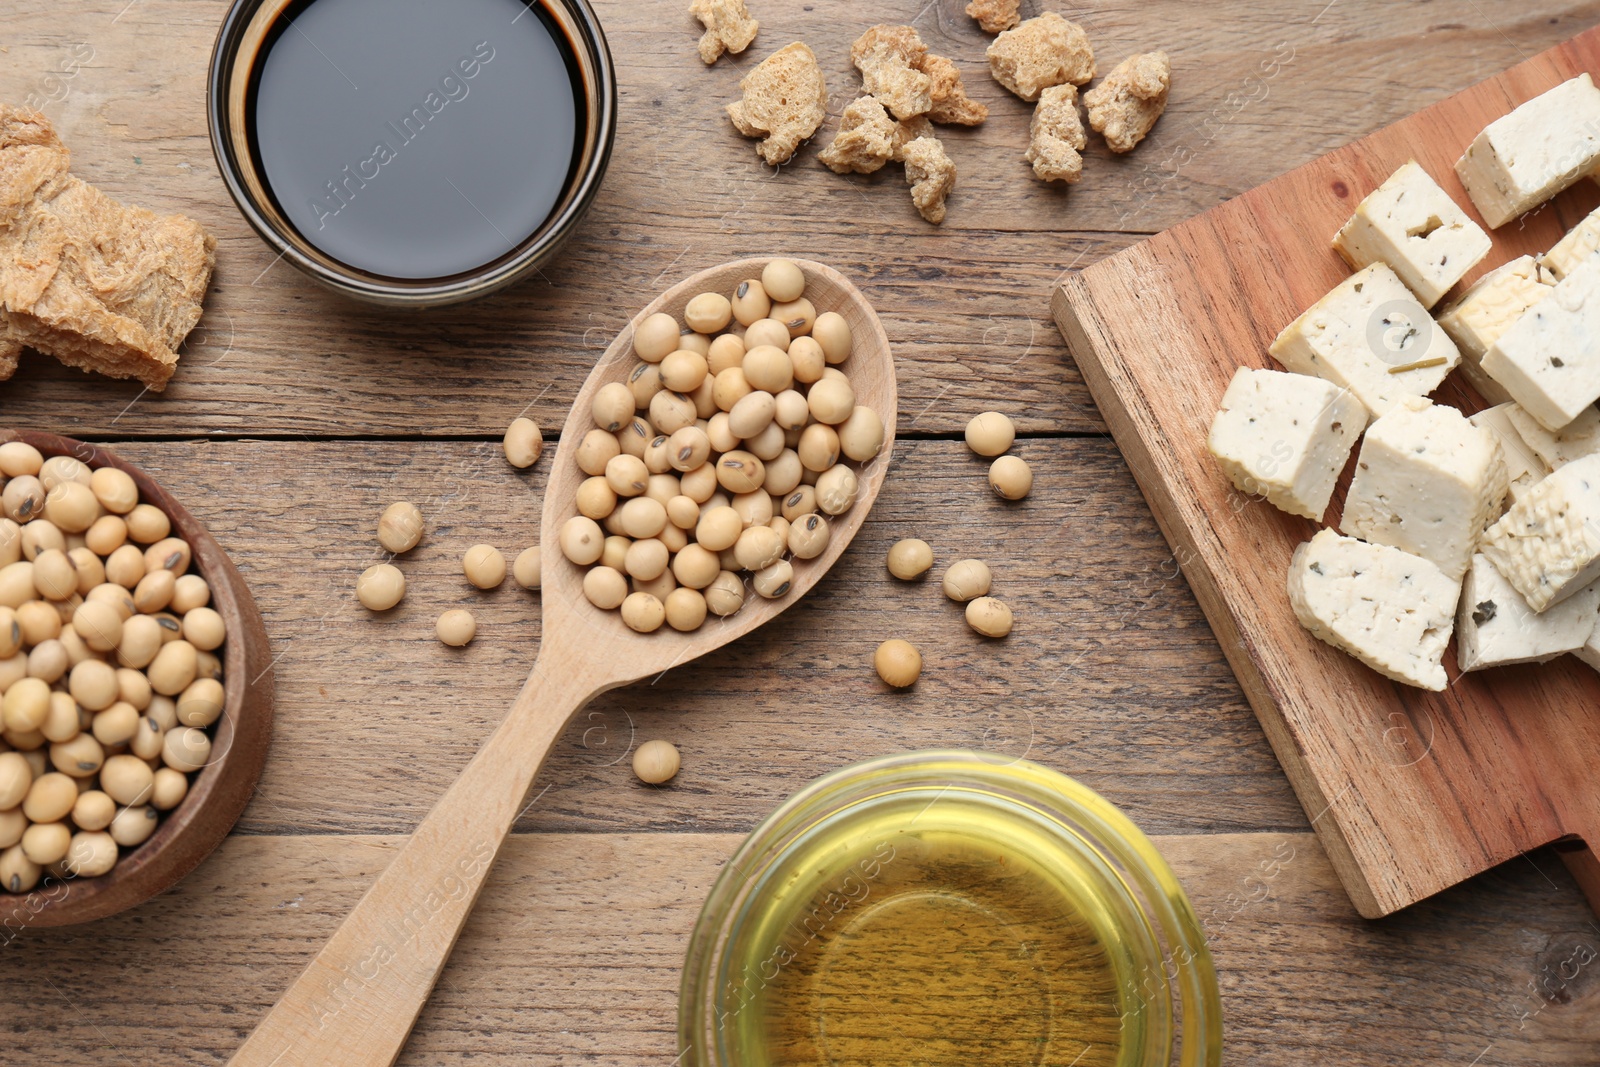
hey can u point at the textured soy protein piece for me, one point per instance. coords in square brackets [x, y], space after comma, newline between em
[931, 176]
[865, 141]
[1039, 53]
[729, 27]
[1128, 101]
[1056, 136]
[784, 102]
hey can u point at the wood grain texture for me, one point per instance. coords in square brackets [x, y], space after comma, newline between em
[573, 957]
[966, 304]
[403, 925]
[217, 795]
[1415, 791]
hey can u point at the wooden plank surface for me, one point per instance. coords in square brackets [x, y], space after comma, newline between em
[322, 412]
[574, 952]
[1499, 763]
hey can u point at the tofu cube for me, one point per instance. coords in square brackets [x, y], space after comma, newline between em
[1427, 482]
[1580, 243]
[1476, 319]
[1391, 610]
[1412, 225]
[1522, 159]
[1578, 438]
[1496, 627]
[1370, 336]
[1524, 468]
[1548, 544]
[1285, 437]
[1590, 652]
[1549, 360]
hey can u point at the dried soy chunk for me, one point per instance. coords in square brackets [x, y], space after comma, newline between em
[1039, 53]
[1056, 136]
[995, 16]
[931, 175]
[1128, 101]
[888, 58]
[784, 102]
[866, 139]
[949, 100]
[729, 27]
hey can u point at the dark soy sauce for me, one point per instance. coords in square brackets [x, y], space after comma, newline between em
[416, 138]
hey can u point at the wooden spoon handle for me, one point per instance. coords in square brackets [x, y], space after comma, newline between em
[357, 1001]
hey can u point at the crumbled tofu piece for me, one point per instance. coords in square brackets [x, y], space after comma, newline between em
[729, 27]
[1578, 438]
[1411, 224]
[1580, 243]
[1524, 468]
[1427, 482]
[1370, 336]
[1478, 317]
[1128, 101]
[995, 16]
[98, 284]
[951, 104]
[931, 176]
[888, 58]
[1391, 610]
[1495, 627]
[1039, 53]
[865, 141]
[1285, 437]
[1522, 159]
[1056, 136]
[1549, 360]
[1548, 544]
[908, 130]
[784, 102]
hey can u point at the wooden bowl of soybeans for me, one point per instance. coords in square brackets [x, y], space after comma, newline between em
[218, 786]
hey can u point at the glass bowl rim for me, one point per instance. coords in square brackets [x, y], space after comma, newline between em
[1187, 973]
[593, 58]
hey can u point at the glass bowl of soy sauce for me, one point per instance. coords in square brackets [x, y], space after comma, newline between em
[946, 909]
[412, 153]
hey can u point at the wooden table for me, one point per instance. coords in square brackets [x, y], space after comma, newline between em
[295, 417]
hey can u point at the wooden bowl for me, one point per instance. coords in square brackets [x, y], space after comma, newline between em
[219, 792]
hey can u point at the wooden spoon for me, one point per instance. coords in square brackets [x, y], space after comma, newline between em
[357, 1001]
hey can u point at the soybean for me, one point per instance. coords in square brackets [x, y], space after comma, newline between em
[524, 444]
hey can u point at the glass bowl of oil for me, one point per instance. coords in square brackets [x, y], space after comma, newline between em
[948, 909]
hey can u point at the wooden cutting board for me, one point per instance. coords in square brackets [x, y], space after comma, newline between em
[1410, 791]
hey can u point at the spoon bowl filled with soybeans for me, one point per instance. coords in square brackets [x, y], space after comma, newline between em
[720, 457]
[135, 689]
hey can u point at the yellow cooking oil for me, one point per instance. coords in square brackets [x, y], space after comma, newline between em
[938, 932]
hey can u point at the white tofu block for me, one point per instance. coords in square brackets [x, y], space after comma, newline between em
[1523, 159]
[1549, 360]
[1370, 336]
[1285, 437]
[1412, 225]
[1590, 652]
[1496, 627]
[1476, 319]
[1427, 482]
[1548, 544]
[1391, 610]
[1524, 468]
[1580, 243]
[1578, 438]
